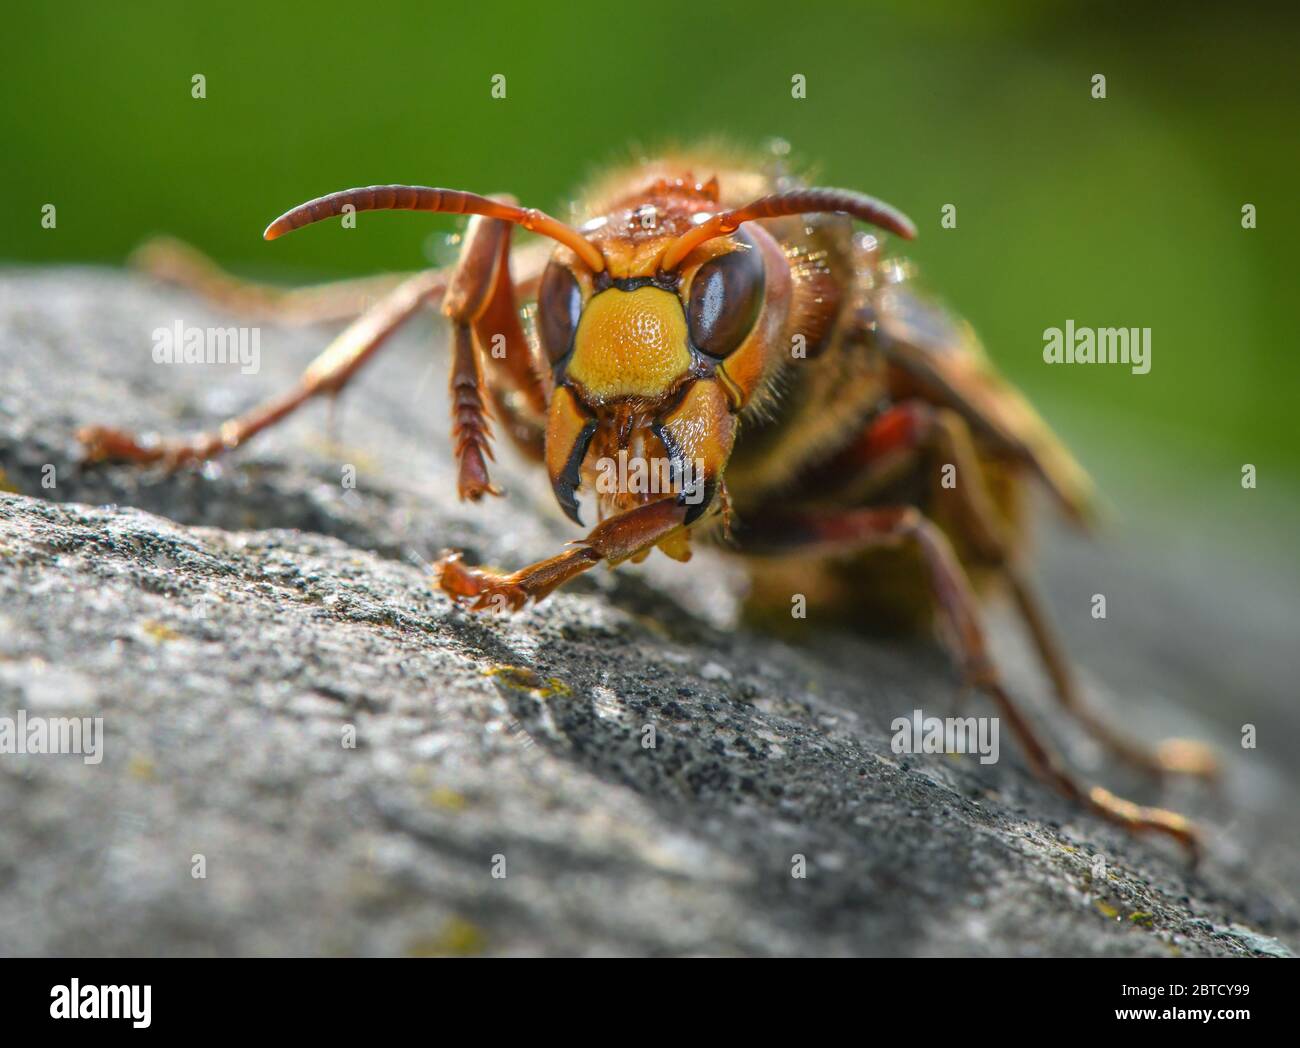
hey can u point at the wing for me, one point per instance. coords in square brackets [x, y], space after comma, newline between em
[938, 354]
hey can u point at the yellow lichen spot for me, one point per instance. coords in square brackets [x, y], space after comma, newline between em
[521, 678]
[457, 938]
[1142, 917]
[1107, 910]
[140, 768]
[158, 631]
[446, 798]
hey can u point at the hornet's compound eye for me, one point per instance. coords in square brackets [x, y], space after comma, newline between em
[559, 305]
[726, 296]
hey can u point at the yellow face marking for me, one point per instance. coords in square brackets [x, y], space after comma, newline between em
[630, 344]
[702, 426]
[564, 425]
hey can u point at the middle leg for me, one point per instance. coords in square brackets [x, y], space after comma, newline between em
[327, 375]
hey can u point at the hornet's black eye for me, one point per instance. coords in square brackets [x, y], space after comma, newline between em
[559, 305]
[726, 296]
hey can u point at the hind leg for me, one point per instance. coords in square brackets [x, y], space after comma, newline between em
[838, 532]
[1170, 756]
[900, 440]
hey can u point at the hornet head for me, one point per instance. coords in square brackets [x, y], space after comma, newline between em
[661, 320]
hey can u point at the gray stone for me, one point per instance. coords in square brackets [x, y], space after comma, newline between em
[233, 625]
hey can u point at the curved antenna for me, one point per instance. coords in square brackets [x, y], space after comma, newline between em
[795, 202]
[444, 201]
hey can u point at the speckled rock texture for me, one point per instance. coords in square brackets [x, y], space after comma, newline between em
[357, 762]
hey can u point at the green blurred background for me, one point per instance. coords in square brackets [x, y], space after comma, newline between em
[1122, 212]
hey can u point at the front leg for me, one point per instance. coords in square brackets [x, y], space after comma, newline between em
[481, 305]
[613, 541]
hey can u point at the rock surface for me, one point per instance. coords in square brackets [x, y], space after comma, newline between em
[233, 627]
